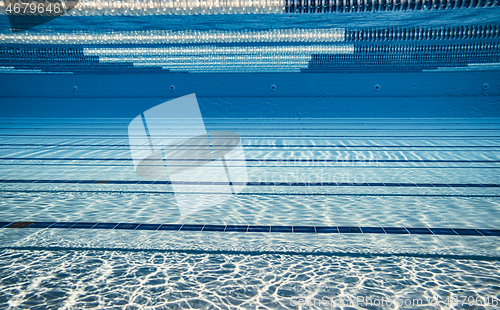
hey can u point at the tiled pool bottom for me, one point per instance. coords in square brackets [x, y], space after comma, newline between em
[422, 225]
[412, 211]
[394, 186]
[136, 280]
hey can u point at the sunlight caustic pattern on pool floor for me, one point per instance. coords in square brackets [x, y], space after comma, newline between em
[368, 173]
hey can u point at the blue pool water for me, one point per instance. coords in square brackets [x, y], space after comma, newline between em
[339, 160]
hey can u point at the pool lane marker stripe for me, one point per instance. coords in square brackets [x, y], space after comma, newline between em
[453, 185]
[284, 161]
[258, 228]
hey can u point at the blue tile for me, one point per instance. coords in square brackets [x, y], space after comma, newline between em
[282, 184]
[327, 229]
[297, 184]
[490, 232]
[457, 185]
[162, 182]
[191, 227]
[474, 185]
[128, 226]
[19, 224]
[130, 182]
[443, 231]
[304, 229]
[419, 231]
[105, 226]
[208, 183]
[192, 183]
[467, 232]
[281, 229]
[424, 185]
[252, 183]
[392, 184]
[85, 181]
[408, 184]
[145, 182]
[490, 185]
[63, 225]
[329, 184]
[396, 230]
[376, 184]
[349, 230]
[266, 183]
[344, 184]
[360, 184]
[80, 225]
[115, 182]
[258, 228]
[441, 185]
[239, 228]
[3, 224]
[214, 228]
[372, 230]
[148, 227]
[102, 182]
[41, 224]
[173, 227]
[238, 183]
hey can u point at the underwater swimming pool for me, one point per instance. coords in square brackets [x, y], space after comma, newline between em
[342, 160]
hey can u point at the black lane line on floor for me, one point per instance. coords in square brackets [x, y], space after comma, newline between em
[285, 127]
[285, 146]
[121, 192]
[217, 121]
[306, 184]
[270, 160]
[186, 147]
[280, 136]
[120, 136]
[259, 228]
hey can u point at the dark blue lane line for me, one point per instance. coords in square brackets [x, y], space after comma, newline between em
[10, 121]
[171, 227]
[286, 127]
[120, 136]
[257, 228]
[121, 192]
[281, 166]
[187, 146]
[274, 146]
[289, 184]
[316, 136]
[266, 160]
[250, 136]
